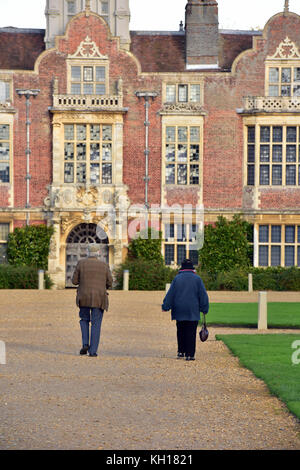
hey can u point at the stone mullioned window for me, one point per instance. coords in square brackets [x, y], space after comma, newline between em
[273, 155]
[279, 245]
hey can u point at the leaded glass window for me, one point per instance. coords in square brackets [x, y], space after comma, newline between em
[4, 153]
[182, 155]
[88, 153]
[277, 150]
[183, 92]
[88, 80]
[180, 243]
[279, 245]
[4, 91]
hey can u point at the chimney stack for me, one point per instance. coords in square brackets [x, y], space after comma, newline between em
[201, 34]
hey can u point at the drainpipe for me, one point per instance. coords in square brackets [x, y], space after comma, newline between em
[146, 95]
[27, 94]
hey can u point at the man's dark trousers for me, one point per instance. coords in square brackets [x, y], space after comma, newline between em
[186, 337]
[95, 316]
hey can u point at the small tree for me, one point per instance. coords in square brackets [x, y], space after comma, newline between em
[226, 245]
[29, 246]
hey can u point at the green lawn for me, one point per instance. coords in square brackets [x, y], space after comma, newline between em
[280, 314]
[269, 357]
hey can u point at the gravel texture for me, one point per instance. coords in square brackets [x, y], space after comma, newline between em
[135, 394]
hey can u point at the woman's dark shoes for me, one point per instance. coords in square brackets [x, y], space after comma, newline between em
[84, 350]
[189, 358]
[180, 355]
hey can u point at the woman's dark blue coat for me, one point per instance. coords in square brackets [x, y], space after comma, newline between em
[187, 297]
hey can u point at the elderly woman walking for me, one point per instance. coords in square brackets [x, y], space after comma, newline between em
[186, 298]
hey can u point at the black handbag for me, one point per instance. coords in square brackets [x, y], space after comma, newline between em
[203, 333]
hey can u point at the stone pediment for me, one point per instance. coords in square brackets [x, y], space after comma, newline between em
[87, 49]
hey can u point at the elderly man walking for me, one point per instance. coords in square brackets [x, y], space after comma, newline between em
[93, 278]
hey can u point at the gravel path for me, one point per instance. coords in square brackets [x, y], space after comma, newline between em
[135, 394]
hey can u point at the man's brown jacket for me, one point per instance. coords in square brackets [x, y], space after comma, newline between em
[93, 278]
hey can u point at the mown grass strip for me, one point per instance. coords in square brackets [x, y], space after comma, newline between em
[274, 358]
[280, 314]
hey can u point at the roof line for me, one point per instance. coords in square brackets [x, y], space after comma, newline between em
[13, 29]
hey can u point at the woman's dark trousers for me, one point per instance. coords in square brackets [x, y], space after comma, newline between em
[186, 337]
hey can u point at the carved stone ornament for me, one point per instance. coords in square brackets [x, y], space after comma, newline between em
[87, 197]
[87, 49]
[68, 222]
[181, 108]
[287, 49]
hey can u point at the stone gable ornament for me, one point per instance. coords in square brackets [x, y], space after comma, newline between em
[87, 49]
[287, 49]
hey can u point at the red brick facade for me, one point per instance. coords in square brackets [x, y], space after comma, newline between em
[154, 61]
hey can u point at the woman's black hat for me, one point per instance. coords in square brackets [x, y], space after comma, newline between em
[187, 264]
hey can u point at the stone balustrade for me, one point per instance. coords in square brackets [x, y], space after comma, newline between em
[84, 102]
[271, 104]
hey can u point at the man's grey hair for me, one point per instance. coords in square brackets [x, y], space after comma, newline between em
[93, 249]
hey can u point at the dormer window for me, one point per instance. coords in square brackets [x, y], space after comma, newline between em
[284, 81]
[88, 80]
[283, 71]
[88, 70]
[183, 93]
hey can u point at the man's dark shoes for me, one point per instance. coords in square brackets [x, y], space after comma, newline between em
[93, 355]
[84, 350]
[180, 355]
[189, 358]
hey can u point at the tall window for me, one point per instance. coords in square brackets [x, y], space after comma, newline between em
[279, 245]
[182, 155]
[183, 93]
[4, 91]
[71, 7]
[180, 243]
[4, 152]
[4, 231]
[88, 80]
[284, 81]
[104, 7]
[88, 153]
[276, 152]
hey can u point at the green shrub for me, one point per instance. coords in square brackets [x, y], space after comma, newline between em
[226, 245]
[29, 246]
[21, 277]
[144, 275]
[147, 245]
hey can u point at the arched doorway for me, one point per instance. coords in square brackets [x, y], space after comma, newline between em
[77, 242]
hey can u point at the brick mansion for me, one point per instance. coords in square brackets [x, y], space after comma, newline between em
[94, 116]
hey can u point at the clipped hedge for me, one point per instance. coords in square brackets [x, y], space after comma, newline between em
[144, 275]
[276, 279]
[150, 275]
[21, 277]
